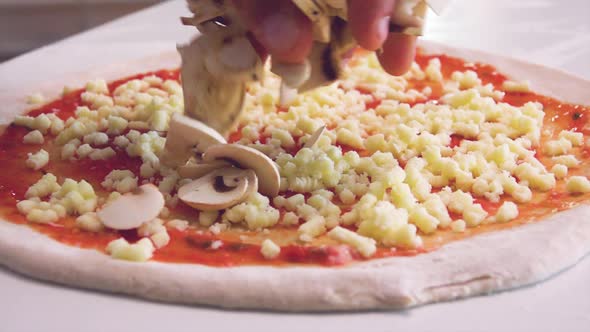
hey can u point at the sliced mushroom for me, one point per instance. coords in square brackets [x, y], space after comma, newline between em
[294, 75]
[337, 8]
[408, 17]
[322, 69]
[321, 29]
[219, 189]
[315, 137]
[206, 6]
[312, 9]
[217, 65]
[266, 170]
[214, 90]
[320, 13]
[327, 60]
[132, 209]
[333, 39]
[252, 184]
[235, 59]
[403, 14]
[194, 171]
[184, 135]
[203, 10]
[233, 180]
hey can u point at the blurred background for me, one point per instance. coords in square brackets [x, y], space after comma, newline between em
[29, 24]
[552, 32]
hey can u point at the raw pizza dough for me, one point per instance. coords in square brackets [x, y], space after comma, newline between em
[482, 264]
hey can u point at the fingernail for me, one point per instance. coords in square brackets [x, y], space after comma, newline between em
[279, 32]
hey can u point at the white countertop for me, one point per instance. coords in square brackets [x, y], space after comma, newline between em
[538, 30]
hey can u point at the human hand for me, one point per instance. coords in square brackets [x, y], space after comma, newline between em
[286, 33]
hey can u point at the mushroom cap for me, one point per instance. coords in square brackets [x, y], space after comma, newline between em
[184, 135]
[211, 192]
[132, 209]
[194, 171]
[266, 170]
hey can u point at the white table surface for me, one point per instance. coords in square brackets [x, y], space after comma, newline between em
[539, 30]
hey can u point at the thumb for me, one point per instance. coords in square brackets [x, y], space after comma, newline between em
[279, 26]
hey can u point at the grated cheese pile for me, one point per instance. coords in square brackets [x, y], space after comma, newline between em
[407, 178]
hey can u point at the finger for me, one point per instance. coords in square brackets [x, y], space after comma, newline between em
[398, 53]
[279, 26]
[369, 21]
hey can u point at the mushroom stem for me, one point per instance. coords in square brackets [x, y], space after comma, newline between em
[219, 189]
[248, 158]
[184, 135]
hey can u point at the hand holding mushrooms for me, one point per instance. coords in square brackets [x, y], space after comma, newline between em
[308, 42]
[286, 33]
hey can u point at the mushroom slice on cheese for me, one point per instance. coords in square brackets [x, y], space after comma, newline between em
[185, 136]
[248, 158]
[219, 189]
[233, 179]
[194, 170]
[315, 137]
[132, 209]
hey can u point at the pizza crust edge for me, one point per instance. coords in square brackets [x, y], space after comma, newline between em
[482, 264]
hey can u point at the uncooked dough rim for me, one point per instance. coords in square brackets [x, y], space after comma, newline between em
[457, 270]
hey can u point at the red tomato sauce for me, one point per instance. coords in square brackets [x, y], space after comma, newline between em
[195, 245]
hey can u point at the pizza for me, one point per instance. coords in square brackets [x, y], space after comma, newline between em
[453, 180]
